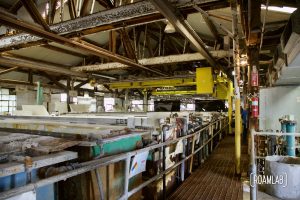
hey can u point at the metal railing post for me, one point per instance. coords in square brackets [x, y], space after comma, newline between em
[127, 170]
[253, 186]
[182, 168]
[211, 132]
[192, 153]
[100, 185]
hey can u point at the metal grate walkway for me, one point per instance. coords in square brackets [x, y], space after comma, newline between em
[216, 178]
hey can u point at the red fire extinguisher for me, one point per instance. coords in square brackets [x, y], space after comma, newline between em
[254, 77]
[254, 107]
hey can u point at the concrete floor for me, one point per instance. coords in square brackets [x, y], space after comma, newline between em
[260, 195]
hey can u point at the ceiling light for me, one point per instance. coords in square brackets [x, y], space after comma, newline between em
[243, 62]
[169, 28]
[283, 9]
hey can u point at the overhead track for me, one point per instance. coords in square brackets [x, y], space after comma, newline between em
[84, 46]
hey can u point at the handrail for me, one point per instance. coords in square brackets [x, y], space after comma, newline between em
[101, 162]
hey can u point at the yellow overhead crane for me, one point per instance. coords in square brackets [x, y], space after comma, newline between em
[205, 82]
[153, 83]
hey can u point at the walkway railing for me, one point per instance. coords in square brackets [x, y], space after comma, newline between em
[205, 145]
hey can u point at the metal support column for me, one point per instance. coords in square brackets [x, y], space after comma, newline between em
[229, 98]
[126, 101]
[237, 89]
[237, 132]
[145, 102]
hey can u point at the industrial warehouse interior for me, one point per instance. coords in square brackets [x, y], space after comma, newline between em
[149, 99]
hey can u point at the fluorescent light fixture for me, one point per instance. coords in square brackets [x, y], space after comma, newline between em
[283, 9]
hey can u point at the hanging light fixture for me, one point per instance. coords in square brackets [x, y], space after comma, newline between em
[169, 28]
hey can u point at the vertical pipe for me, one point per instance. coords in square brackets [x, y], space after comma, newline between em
[68, 93]
[164, 129]
[182, 157]
[283, 127]
[206, 146]
[238, 136]
[92, 7]
[290, 139]
[211, 133]
[253, 169]
[237, 90]
[62, 10]
[78, 4]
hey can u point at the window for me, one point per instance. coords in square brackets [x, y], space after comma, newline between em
[109, 103]
[190, 106]
[151, 105]
[63, 97]
[7, 101]
[137, 105]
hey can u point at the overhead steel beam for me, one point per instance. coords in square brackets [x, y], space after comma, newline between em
[15, 7]
[106, 19]
[127, 45]
[8, 70]
[34, 13]
[53, 79]
[161, 60]
[84, 46]
[13, 55]
[182, 26]
[82, 84]
[21, 63]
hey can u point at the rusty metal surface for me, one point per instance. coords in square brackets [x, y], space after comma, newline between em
[107, 17]
[216, 178]
[79, 45]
